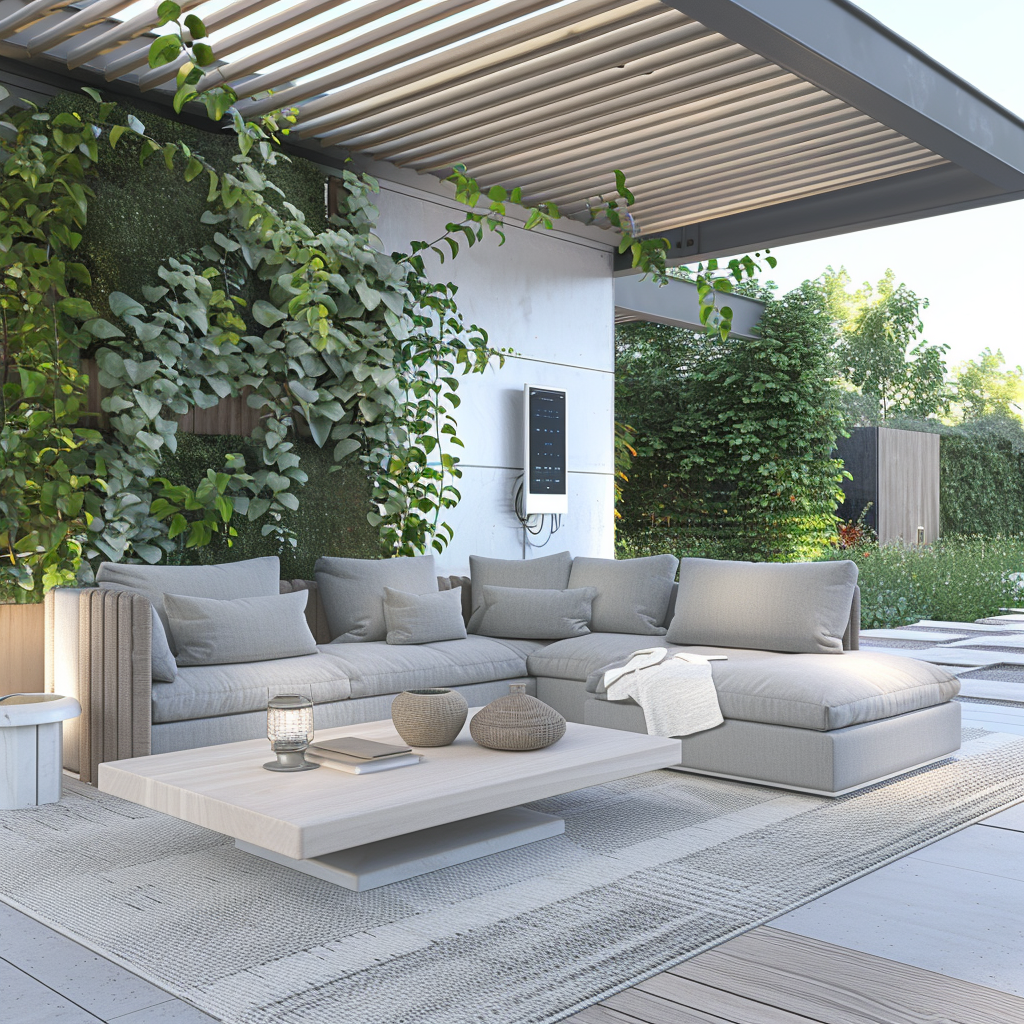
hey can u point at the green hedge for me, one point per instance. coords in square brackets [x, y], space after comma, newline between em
[331, 518]
[143, 216]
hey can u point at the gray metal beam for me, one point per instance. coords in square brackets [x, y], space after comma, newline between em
[838, 47]
[676, 304]
[927, 193]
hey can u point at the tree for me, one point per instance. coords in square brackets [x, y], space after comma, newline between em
[983, 388]
[879, 351]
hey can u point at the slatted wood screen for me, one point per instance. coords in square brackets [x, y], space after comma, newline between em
[229, 416]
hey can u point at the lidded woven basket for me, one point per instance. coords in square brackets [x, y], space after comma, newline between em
[517, 722]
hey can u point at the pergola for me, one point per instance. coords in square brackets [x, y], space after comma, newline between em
[739, 123]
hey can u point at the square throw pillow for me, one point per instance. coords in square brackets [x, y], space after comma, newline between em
[548, 573]
[795, 607]
[210, 632]
[352, 592]
[632, 593]
[423, 618]
[523, 614]
[252, 577]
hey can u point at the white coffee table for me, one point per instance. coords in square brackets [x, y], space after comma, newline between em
[363, 831]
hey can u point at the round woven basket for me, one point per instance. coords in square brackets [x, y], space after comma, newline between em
[517, 722]
[429, 718]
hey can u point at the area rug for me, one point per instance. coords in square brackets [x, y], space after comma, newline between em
[650, 871]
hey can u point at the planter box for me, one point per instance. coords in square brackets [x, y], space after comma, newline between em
[22, 627]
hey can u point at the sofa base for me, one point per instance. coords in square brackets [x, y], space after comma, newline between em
[207, 732]
[824, 763]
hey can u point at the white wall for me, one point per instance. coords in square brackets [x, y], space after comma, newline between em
[549, 297]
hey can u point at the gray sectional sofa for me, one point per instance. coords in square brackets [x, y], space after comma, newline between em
[829, 720]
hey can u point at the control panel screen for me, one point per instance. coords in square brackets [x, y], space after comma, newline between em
[547, 441]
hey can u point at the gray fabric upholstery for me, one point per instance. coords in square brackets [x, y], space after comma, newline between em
[253, 577]
[210, 690]
[165, 668]
[800, 607]
[823, 762]
[534, 614]
[352, 591]
[567, 696]
[551, 572]
[206, 732]
[376, 668]
[247, 629]
[423, 618]
[824, 692]
[632, 593]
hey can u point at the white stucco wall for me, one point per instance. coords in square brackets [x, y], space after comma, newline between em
[549, 297]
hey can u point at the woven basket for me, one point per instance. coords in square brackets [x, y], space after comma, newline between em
[517, 722]
[429, 718]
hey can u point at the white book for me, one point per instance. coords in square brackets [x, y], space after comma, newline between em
[366, 767]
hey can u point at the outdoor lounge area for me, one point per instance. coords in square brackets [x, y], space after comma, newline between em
[446, 577]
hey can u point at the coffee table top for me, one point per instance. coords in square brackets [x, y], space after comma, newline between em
[308, 814]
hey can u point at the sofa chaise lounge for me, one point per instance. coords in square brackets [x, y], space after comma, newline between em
[828, 719]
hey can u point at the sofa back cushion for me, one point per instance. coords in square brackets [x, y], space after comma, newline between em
[253, 577]
[632, 593]
[798, 608]
[352, 591]
[548, 573]
[247, 629]
[423, 618]
[521, 613]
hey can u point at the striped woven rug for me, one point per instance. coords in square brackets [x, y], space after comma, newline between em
[650, 871]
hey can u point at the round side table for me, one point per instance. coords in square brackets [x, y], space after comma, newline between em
[32, 747]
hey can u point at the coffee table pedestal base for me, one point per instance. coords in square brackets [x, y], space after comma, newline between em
[401, 857]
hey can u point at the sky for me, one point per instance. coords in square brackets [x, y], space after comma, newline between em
[970, 265]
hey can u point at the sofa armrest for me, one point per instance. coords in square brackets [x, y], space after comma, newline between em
[851, 638]
[99, 650]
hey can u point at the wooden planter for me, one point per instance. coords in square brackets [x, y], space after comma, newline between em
[21, 648]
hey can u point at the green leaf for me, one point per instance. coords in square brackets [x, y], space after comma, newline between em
[122, 305]
[203, 54]
[168, 11]
[266, 313]
[195, 26]
[181, 97]
[194, 168]
[163, 50]
[100, 328]
[136, 125]
[115, 133]
[89, 91]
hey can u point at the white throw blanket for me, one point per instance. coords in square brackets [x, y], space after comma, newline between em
[677, 693]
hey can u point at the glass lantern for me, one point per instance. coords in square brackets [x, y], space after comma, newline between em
[290, 731]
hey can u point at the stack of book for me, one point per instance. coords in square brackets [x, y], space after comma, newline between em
[358, 756]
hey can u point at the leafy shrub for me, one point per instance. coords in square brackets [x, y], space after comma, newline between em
[957, 579]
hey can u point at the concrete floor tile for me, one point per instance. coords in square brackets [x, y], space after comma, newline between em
[994, 851]
[174, 1011]
[101, 987]
[1012, 817]
[27, 1001]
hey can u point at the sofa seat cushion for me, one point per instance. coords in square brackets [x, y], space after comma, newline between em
[580, 656]
[209, 690]
[826, 691]
[376, 668]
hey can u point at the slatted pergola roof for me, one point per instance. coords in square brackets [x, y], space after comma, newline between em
[737, 122]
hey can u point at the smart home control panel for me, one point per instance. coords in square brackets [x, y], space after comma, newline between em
[545, 483]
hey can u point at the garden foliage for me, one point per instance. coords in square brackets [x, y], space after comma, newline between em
[734, 439]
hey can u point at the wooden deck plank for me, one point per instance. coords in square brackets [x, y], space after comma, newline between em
[671, 990]
[636, 1007]
[835, 985]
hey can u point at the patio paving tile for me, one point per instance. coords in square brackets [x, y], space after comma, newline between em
[27, 1001]
[1011, 818]
[943, 917]
[928, 635]
[103, 988]
[991, 689]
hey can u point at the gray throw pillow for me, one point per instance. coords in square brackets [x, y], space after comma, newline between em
[210, 632]
[548, 573]
[352, 591]
[632, 593]
[423, 618]
[165, 668]
[796, 607]
[523, 614]
[253, 577]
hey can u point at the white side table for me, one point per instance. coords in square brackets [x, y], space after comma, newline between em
[32, 747]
